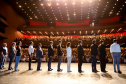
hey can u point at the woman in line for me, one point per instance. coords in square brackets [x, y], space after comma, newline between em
[69, 52]
[18, 55]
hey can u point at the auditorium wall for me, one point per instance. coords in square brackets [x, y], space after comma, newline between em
[13, 20]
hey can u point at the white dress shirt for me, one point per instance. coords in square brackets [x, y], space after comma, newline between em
[115, 48]
[31, 49]
[69, 52]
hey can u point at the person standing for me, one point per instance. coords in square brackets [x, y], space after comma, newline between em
[31, 51]
[115, 51]
[80, 56]
[50, 55]
[39, 55]
[12, 54]
[4, 52]
[69, 53]
[60, 53]
[18, 55]
[102, 53]
[94, 54]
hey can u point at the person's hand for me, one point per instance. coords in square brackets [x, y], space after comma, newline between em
[37, 57]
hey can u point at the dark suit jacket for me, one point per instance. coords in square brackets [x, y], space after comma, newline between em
[102, 50]
[39, 53]
[12, 52]
[80, 51]
[50, 51]
[59, 50]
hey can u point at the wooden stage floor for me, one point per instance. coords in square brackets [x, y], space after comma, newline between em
[44, 77]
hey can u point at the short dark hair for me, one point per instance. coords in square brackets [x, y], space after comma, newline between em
[60, 41]
[68, 44]
[51, 42]
[101, 41]
[31, 42]
[114, 40]
[39, 44]
[18, 42]
[93, 41]
[80, 41]
[13, 43]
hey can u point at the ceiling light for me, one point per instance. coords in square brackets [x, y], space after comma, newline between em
[117, 14]
[112, 30]
[119, 29]
[90, 1]
[57, 4]
[73, 3]
[49, 4]
[110, 13]
[16, 2]
[33, 4]
[20, 6]
[105, 31]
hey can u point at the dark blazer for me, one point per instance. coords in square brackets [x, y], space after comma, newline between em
[39, 53]
[59, 50]
[80, 51]
[94, 49]
[12, 52]
[102, 50]
[50, 51]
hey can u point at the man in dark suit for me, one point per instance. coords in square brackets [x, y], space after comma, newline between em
[94, 54]
[80, 56]
[39, 55]
[60, 53]
[12, 54]
[50, 55]
[102, 53]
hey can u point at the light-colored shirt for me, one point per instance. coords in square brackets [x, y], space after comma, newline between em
[31, 49]
[115, 48]
[69, 52]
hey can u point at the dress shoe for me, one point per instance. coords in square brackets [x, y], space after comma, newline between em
[9, 69]
[39, 69]
[119, 72]
[115, 71]
[105, 71]
[31, 69]
[17, 70]
[49, 69]
[60, 70]
[81, 71]
[69, 71]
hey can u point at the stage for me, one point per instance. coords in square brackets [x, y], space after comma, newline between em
[44, 77]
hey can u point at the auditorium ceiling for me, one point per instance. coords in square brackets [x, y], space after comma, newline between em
[71, 12]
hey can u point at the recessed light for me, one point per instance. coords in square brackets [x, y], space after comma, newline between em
[20, 6]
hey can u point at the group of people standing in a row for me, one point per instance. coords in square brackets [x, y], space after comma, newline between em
[16, 51]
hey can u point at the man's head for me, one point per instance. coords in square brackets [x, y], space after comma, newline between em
[32, 43]
[19, 43]
[93, 41]
[80, 42]
[5, 44]
[39, 45]
[60, 42]
[13, 44]
[51, 42]
[114, 40]
[68, 44]
[101, 41]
